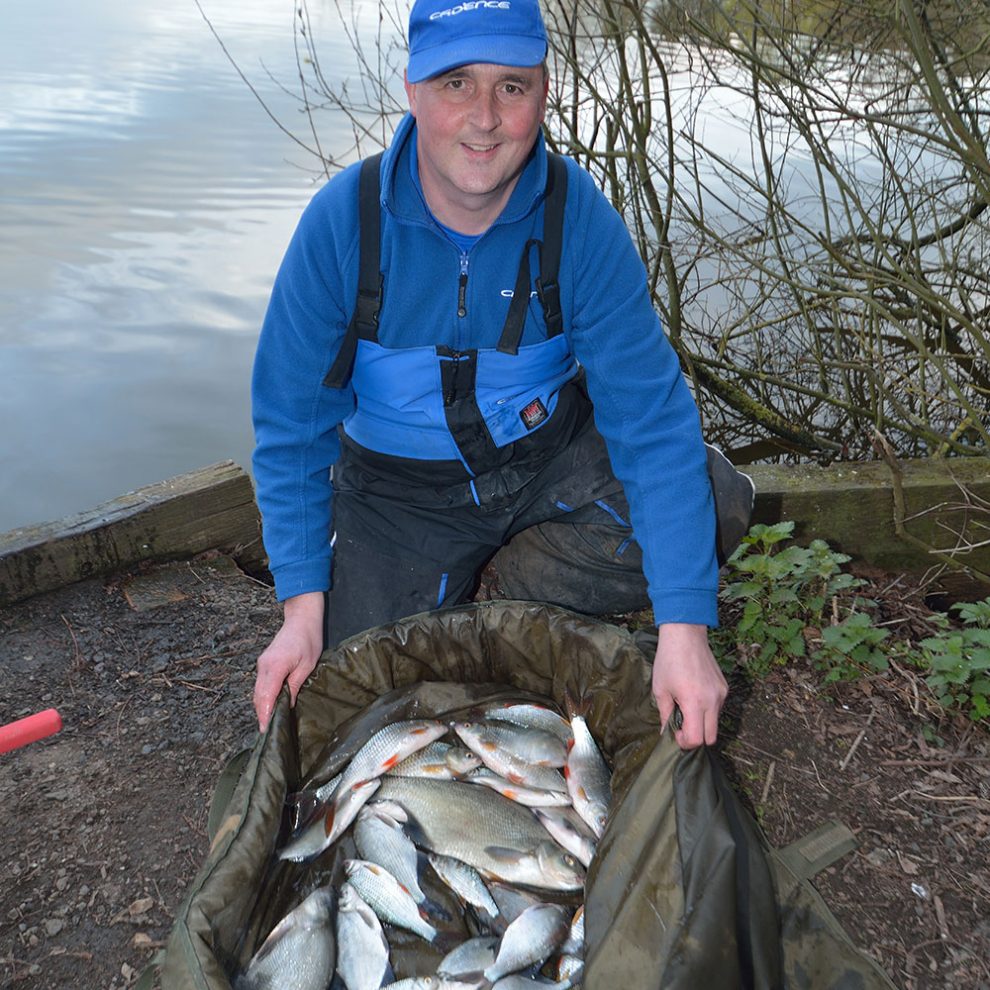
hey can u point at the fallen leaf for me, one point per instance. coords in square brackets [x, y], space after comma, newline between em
[141, 906]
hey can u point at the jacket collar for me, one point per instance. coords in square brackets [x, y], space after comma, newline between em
[403, 199]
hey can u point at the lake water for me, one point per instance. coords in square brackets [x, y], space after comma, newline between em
[146, 199]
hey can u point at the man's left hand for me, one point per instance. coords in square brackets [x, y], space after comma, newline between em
[686, 674]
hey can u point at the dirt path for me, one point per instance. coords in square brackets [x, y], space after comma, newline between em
[104, 825]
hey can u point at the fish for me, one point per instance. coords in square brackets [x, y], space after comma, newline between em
[362, 949]
[465, 881]
[574, 944]
[470, 958]
[379, 839]
[388, 747]
[588, 777]
[497, 837]
[440, 760]
[329, 823]
[530, 716]
[573, 835]
[530, 940]
[517, 981]
[511, 901]
[529, 744]
[434, 983]
[299, 952]
[484, 739]
[388, 898]
[531, 797]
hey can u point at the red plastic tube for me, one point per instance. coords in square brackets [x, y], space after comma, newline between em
[29, 729]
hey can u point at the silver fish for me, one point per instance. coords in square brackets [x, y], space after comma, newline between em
[389, 746]
[440, 760]
[469, 958]
[388, 898]
[434, 983]
[465, 881]
[531, 797]
[569, 971]
[574, 944]
[530, 940]
[299, 952]
[379, 839]
[576, 839]
[529, 744]
[483, 738]
[362, 949]
[530, 716]
[329, 823]
[588, 777]
[517, 981]
[511, 901]
[497, 837]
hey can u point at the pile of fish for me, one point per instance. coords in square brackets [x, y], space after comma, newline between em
[505, 811]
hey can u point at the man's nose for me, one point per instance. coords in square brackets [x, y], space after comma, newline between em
[485, 111]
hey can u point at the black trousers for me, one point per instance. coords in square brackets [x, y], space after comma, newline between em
[559, 533]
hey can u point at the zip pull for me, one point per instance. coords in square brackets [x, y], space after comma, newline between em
[462, 287]
[450, 388]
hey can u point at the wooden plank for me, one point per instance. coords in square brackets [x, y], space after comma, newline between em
[212, 508]
[852, 507]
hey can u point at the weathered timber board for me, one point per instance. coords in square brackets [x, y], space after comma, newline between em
[947, 506]
[212, 508]
[852, 507]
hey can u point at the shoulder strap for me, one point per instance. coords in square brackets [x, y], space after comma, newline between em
[547, 287]
[364, 321]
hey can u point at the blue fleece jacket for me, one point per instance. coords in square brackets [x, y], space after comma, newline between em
[642, 405]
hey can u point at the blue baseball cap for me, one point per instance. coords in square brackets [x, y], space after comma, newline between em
[444, 34]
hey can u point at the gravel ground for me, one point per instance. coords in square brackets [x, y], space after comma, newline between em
[104, 824]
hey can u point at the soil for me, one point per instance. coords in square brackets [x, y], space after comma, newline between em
[104, 824]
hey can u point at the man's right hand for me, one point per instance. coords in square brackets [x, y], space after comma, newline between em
[291, 655]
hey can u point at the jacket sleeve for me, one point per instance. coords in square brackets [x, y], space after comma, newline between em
[295, 415]
[643, 408]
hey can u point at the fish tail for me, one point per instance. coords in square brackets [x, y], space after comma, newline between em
[576, 704]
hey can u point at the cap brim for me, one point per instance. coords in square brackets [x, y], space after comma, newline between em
[496, 49]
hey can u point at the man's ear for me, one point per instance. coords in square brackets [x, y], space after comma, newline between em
[410, 92]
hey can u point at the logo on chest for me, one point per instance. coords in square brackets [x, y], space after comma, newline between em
[533, 414]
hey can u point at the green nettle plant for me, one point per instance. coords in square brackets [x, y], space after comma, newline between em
[784, 592]
[851, 647]
[798, 602]
[959, 660]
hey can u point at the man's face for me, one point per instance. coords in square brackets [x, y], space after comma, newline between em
[477, 125]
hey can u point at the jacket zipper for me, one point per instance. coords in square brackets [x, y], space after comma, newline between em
[462, 287]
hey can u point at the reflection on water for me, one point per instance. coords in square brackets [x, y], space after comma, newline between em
[145, 202]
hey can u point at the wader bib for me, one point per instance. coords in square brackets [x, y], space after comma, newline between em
[448, 455]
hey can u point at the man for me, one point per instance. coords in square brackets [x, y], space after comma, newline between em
[454, 328]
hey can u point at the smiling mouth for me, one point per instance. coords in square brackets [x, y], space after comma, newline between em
[480, 148]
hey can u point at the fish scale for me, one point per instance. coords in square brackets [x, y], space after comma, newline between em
[388, 898]
[489, 832]
[588, 778]
[388, 747]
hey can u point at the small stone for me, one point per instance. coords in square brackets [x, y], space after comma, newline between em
[53, 926]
